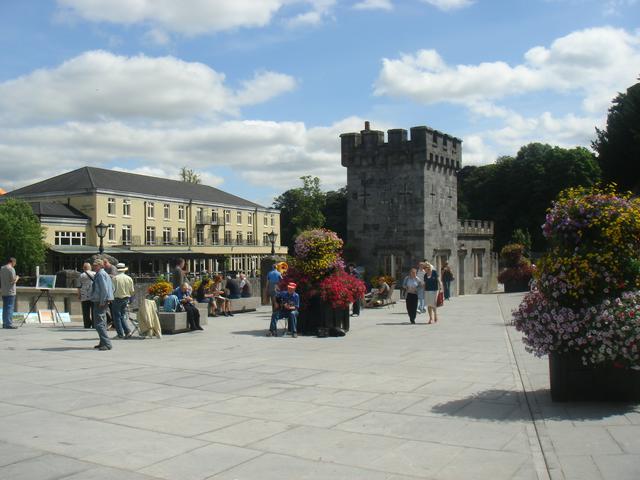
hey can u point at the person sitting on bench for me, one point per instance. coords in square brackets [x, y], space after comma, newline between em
[193, 314]
[288, 305]
[378, 295]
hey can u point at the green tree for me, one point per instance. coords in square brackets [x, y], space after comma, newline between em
[189, 176]
[335, 212]
[515, 192]
[618, 145]
[21, 235]
[300, 209]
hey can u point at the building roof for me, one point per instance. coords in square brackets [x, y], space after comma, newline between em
[52, 209]
[92, 179]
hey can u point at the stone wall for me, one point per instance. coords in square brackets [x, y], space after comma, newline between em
[402, 197]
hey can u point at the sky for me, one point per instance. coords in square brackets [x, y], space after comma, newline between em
[253, 94]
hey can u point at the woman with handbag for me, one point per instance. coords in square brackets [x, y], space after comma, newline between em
[432, 286]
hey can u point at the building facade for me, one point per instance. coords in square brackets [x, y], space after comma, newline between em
[402, 205]
[150, 221]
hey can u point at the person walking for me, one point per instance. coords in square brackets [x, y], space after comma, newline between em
[432, 286]
[411, 285]
[420, 275]
[447, 278]
[8, 281]
[101, 296]
[123, 290]
[84, 294]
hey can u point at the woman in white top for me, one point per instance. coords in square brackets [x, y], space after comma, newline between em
[411, 285]
[84, 294]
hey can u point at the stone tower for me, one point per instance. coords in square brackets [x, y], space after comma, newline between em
[402, 197]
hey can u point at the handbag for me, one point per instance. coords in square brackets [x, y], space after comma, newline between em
[440, 299]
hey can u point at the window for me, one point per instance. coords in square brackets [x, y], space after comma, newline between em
[273, 220]
[199, 215]
[227, 216]
[126, 208]
[215, 236]
[151, 236]
[166, 236]
[111, 233]
[239, 238]
[214, 217]
[250, 219]
[250, 238]
[167, 211]
[266, 220]
[477, 257]
[265, 239]
[239, 218]
[182, 236]
[227, 237]
[181, 212]
[111, 206]
[126, 234]
[151, 212]
[70, 238]
[200, 235]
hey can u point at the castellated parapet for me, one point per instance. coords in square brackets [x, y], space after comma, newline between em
[426, 145]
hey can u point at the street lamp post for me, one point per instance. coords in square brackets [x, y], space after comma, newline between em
[101, 230]
[272, 238]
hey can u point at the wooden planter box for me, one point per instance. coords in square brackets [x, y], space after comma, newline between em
[571, 380]
[319, 314]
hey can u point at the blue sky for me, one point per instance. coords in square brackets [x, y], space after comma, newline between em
[252, 94]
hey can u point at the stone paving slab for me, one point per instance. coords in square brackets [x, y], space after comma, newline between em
[391, 400]
[581, 440]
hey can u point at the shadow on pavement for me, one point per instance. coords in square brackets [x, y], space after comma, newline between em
[500, 405]
[61, 349]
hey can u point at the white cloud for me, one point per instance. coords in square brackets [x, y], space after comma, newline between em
[374, 5]
[262, 152]
[596, 63]
[447, 5]
[193, 17]
[189, 17]
[320, 9]
[100, 85]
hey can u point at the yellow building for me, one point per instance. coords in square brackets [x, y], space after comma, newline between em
[150, 222]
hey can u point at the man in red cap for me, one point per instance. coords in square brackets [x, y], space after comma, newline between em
[288, 306]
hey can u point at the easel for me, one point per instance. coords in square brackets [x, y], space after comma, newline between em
[51, 305]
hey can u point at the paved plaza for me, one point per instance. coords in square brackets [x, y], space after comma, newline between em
[456, 400]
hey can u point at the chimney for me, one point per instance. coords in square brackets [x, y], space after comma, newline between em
[367, 125]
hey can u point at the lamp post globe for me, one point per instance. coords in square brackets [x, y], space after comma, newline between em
[101, 230]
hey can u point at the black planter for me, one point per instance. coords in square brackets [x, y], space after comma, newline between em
[571, 380]
[318, 314]
[516, 286]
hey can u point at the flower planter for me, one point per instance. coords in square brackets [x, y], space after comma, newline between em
[571, 380]
[516, 286]
[319, 314]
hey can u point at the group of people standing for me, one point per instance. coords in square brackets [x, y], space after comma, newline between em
[106, 290]
[422, 287]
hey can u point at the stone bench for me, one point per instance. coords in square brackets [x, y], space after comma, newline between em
[173, 322]
[244, 304]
